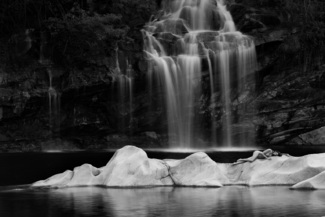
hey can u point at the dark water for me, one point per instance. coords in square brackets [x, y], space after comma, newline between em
[25, 168]
[161, 201]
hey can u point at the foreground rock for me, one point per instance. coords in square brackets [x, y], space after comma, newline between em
[130, 166]
[316, 182]
[197, 170]
[276, 171]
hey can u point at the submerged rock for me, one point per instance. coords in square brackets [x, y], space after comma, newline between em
[130, 166]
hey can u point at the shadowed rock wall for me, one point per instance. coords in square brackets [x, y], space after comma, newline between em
[287, 102]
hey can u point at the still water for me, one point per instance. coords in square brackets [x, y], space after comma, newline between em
[160, 201]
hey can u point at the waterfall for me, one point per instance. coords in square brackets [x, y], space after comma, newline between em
[123, 83]
[54, 106]
[193, 36]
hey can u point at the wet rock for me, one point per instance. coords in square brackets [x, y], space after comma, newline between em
[207, 36]
[250, 18]
[315, 137]
[169, 41]
[173, 26]
[289, 106]
[168, 37]
[271, 36]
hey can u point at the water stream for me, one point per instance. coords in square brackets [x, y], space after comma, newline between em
[192, 37]
[54, 106]
[123, 82]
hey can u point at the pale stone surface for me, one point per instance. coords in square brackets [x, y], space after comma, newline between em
[130, 166]
[58, 180]
[316, 182]
[85, 175]
[276, 171]
[197, 170]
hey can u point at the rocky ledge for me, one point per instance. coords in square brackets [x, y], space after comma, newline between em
[131, 167]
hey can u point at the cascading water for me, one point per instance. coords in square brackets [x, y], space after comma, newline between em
[54, 106]
[190, 36]
[123, 81]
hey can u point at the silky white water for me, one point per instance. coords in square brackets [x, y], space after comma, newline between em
[54, 106]
[123, 88]
[192, 33]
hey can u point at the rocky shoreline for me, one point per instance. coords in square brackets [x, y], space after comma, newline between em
[131, 167]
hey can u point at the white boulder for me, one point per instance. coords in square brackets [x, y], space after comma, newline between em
[58, 180]
[85, 175]
[197, 170]
[276, 171]
[316, 182]
[130, 166]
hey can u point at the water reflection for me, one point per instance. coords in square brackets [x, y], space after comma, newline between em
[165, 201]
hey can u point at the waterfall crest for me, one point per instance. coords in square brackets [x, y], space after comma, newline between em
[190, 36]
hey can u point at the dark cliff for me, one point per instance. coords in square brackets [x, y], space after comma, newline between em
[63, 85]
[289, 97]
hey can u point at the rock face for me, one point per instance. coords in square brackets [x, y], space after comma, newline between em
[88, 100]
[289, 96]
[286, 105]
[131, 167]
